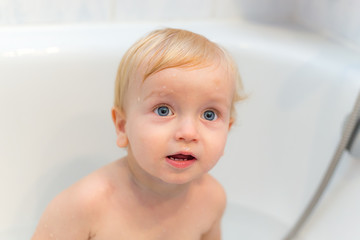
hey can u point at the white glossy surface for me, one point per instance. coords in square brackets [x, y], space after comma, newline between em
[56, 89]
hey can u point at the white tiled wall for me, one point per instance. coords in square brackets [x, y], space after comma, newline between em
[165, 10]
[53, 11]
[68, 11]
[269, 11]
[337, 18]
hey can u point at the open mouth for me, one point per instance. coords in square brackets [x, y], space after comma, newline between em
[181, 157]
[181, 160]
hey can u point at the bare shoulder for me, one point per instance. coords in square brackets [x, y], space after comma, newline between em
[214, 190]
[74, 212]
[212, 194]
[212, 197]
[90, 193]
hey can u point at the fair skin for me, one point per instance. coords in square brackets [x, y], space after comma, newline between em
[175, 127]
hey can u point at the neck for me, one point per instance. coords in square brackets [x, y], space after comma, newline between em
[152, 186]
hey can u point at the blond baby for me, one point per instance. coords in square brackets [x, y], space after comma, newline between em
[174, 106]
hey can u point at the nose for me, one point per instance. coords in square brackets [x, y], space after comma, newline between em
[187, 131]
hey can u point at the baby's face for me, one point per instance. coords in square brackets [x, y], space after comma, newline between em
[177, 121]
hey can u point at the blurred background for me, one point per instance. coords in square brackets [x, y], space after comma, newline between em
[336, 18]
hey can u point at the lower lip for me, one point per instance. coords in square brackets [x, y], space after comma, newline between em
[180, 164]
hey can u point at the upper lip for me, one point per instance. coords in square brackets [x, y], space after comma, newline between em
[184, 155]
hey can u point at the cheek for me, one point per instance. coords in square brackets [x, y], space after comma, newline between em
[138, 138]
[145, 139]
[220, 146]
[216, 146]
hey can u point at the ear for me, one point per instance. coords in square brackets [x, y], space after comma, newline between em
[119, 120]
[231, 122]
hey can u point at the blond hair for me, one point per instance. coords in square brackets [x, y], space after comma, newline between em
[170, 48]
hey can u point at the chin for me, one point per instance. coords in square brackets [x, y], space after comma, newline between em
[181, 179]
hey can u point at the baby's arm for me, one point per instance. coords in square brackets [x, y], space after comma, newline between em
[68, 216]
[214, 233]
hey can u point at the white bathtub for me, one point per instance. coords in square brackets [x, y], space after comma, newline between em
[56, 90]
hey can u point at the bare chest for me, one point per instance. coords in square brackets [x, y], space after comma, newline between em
[176, 223]
[149, 233]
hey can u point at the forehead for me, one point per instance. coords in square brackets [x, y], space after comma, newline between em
[215, 72]
[209, 82]
[218, 65]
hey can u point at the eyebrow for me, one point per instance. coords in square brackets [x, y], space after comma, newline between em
[164, 92]
[221, 99]
[161, 93]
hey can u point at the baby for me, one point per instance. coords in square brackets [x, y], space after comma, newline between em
[174, 106]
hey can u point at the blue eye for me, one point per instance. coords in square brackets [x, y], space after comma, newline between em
[163, 111]
[209, 115]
